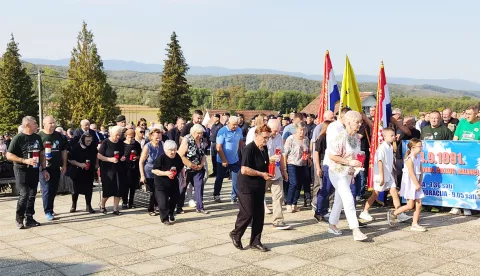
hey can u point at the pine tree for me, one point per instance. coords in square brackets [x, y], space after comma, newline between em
[17, 97]
[175, 99]
[87, 94]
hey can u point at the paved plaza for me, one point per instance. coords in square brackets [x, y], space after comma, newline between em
[137, 244]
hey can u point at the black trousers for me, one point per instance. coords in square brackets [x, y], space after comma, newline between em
[151, 188]
[26, 181]
[167, 200]
[88, 199]
[252, 209]
[133, 179]
[213, 154]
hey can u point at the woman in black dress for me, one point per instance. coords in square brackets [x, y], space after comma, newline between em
[112, 169]
[132, 156]
[251, 183]
[83, 160]
[167, 169]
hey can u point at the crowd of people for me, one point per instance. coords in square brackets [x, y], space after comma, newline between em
[284, 154]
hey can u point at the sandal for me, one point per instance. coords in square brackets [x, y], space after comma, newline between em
[103, 210]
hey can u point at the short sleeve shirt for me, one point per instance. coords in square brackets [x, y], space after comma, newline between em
[467, 131]
[345, 146]
[272, 144]
[58, 145]
[165, 163]
[333, 131]
[250, 135]
[23, 144]
[384, 153]
[294, 149]
[230, 141]
[256, 159]
[438, 133]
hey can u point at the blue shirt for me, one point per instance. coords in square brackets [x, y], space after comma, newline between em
[229, 141]
[288, 131]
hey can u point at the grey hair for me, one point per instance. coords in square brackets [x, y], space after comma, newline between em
[84, 121]
[234, 119]
[352, 115]
[116, 130]
[397, 111]
[169, 145]
[28, 119]
[20, 129]
[300, 125]
[197, 128]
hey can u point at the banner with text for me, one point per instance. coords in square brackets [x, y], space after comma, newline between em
[451, 173]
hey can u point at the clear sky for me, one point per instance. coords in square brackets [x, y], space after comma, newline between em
[419, 39]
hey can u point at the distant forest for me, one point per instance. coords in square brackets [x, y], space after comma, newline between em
[272, 92]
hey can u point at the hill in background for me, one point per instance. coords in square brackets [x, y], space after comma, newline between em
[120, 65]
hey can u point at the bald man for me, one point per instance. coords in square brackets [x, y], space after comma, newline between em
[56, 156]
[84, 128]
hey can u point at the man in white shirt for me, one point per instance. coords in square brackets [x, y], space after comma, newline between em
[276, 183]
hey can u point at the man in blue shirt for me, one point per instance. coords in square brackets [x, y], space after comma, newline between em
[290, 129]
[229, 139]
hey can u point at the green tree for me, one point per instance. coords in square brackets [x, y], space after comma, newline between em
[87, 94]
[175, 99]
[17, 98]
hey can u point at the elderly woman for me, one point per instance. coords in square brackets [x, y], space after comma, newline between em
[112, 169]
[342, 153]
[132, 156]
[151, 151]
[166, 169]
[192, 152]
[83, 160]
[296, 152]
[251, 190]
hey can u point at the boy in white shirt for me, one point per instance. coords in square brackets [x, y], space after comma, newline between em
[383, 179]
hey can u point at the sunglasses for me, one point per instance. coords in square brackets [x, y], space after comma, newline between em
[142, 132]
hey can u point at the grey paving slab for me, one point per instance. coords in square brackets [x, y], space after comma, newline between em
[85, 268]
[23, 269]
[168, 250]
[348, 262]
[282, 263]
[148, 267]
[216, 264]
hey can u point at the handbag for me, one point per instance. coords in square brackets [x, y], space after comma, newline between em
[142, 198]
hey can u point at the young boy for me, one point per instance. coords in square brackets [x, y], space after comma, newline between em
[383, 179]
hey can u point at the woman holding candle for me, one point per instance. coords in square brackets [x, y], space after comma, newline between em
[112, 169]
[343, 151]
[83, 160]
[150, 152]
[166, 169]
[252, 180]
[132, 152]
[296, 152]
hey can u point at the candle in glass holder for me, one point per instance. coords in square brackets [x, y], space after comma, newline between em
[174, 171]
[361, 156]
[271, 168]
[116, 155]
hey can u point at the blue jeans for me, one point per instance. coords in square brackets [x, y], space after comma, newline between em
[49, 189]
[360, 183]
[298, 178]
[221, 170]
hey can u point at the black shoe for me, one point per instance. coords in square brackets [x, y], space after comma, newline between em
[237, 244]
[307, 203]
[320, 218]
[117, 213]
[180, 211]
[124, 206]
[131, 206]
[361, 224]
[20, 225]
[103, 210]
[217, 199]
[166, 222]
[30, 222]
[260, 247]
[90, 210]
[73, 209]
[212, 175]
[171, 218]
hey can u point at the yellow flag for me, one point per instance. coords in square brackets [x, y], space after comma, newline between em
[350, 95]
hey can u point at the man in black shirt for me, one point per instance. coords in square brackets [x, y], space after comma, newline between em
[84, 127]
[26, 151]
[310, 125]
[450, 122]
[243, 126]
[56, 156]
[174, 134]
[8, 139]
[196, 119]
[213, 139]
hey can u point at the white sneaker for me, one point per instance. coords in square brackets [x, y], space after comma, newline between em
[191, 203]
[268, 211]
[327, 215]
[366, 216]
[455, 211]
[467, 212]
[418, 228]
[358, 235]
[403, 217]
[335, 232]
